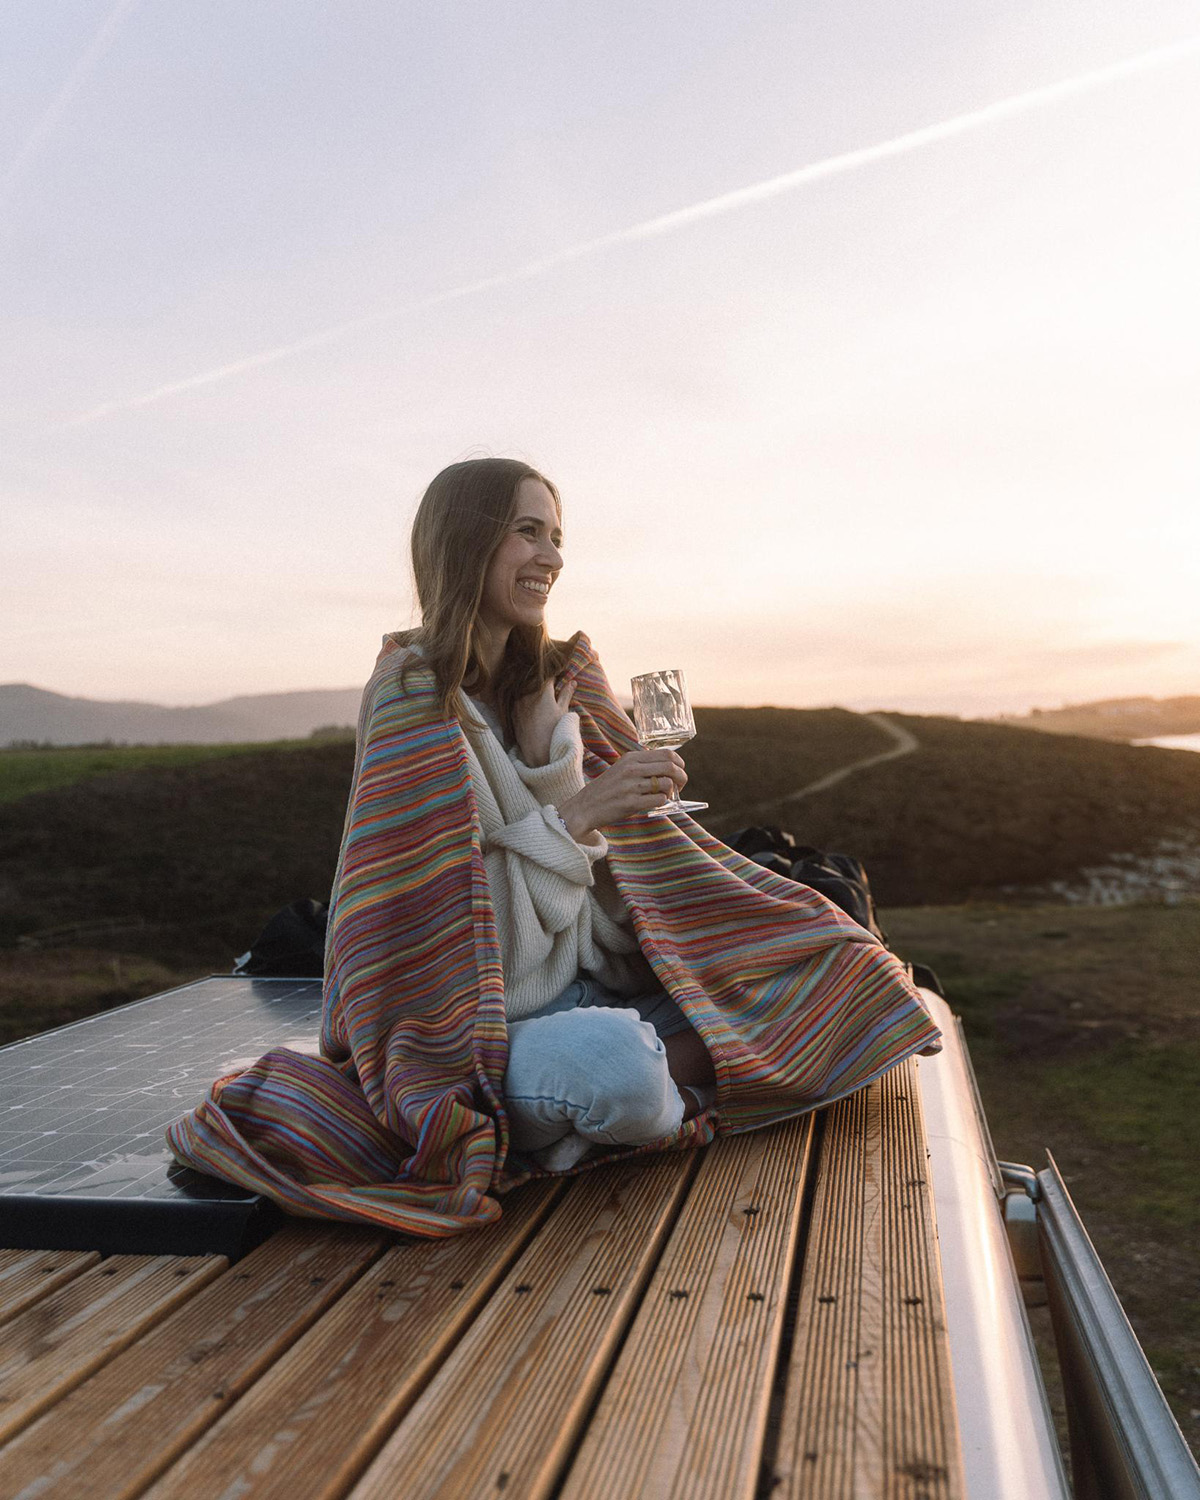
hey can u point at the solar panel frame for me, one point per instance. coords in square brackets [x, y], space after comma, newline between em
[84, 1164]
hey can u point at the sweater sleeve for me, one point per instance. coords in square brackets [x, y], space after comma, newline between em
[547, 871]
[555, 903]
[558, 780]
[541, 840]
[562, 775]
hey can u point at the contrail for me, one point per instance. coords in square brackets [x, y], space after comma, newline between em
[92, 54]
[668, 223]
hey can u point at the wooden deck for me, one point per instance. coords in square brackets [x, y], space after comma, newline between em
[764, 1317]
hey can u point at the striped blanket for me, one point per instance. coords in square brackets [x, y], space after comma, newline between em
[400, 1120]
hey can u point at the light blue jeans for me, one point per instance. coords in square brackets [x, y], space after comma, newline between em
[590, 1069]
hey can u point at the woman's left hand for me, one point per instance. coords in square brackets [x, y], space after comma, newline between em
[537, 717]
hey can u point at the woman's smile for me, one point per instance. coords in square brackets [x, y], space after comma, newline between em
[525, 564]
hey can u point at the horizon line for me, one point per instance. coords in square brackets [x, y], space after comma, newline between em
[1090, 703]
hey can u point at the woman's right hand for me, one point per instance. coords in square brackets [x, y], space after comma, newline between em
[639, 781]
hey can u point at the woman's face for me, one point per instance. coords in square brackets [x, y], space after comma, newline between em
[525, 564]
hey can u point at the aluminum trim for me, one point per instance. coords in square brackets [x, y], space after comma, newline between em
[1122, 1429]
[1010, 1451]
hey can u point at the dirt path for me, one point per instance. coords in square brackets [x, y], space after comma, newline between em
[904, 744]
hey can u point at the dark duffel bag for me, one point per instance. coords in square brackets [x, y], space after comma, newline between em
[840, 878]
[291, 945]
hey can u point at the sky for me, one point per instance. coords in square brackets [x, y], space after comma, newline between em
[862, 341]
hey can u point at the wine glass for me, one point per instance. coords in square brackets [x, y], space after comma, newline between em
[662, 716]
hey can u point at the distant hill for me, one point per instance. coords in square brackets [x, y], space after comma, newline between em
[33, 715]
[1114, 718]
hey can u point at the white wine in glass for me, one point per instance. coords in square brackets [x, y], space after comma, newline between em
[663, 718]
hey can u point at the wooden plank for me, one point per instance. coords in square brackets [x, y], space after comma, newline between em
[868, 1408]
[26, 1276]
[505, 1410]
[315, 1420]
[684, 1411]
[117, 1432]
[57, 1343]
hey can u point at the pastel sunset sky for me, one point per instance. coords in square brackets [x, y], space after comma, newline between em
[862, 340]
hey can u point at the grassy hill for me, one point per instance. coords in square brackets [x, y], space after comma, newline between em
[981, 810]
[123, 870]
[180, 856]
[181, 861]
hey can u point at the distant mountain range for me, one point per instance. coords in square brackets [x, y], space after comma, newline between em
[1115, 718]
[33, 715]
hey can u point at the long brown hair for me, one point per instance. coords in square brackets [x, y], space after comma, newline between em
[461, 520]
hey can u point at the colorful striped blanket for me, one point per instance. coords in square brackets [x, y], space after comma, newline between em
[400, 1120]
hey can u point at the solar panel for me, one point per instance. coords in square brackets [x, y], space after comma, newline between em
[83, 1161]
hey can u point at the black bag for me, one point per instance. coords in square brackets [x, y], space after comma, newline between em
[291, 945]
[840, 878]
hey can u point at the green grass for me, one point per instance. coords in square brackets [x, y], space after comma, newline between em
[1137, 1105]
[54, 766]
[45, 988]
[977, 994]
[180, 862]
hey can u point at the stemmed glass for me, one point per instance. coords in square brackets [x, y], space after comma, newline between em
[662, 716]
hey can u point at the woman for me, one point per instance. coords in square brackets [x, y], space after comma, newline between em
[583, 1069]
[523, 973]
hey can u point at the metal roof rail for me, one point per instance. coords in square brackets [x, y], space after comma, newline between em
[1125, 1442]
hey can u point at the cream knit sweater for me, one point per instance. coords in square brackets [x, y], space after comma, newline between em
[557, 908]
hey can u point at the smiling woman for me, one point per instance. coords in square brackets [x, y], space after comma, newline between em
[484, 530]
[523, 567]
[522, 970]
